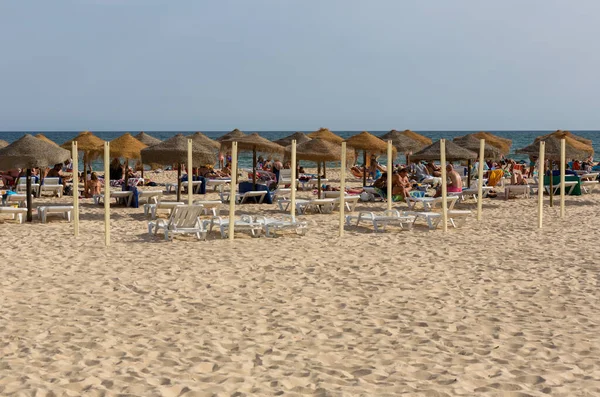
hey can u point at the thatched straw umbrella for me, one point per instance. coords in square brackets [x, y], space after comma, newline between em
[91, 146]
[472, 143]
[29, 152]
[453, 153]
[254, 143]
[326, 135]
[417, 137]
[128, 147]
[233, 134]
[574, 149]
[318, 150]
[3, 143]
[402, 142]
[569, 134]
[46, 139]
[175, 150]
[203, 140]
[299, 137]
[147, 140]
[368, 142]
[503, 144]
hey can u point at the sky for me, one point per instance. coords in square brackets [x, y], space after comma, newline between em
[286, 65]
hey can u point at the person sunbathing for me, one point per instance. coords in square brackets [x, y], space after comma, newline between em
[516, 177]
[400, 183]
[454, 184]
[9, 177]
[94, 185]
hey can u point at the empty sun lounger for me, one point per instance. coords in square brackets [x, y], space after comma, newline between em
[432, 219]
[209, 205]
[184, 219]
[257, 195]
[516, 190]
[151, 208]
[430, 203]
[119, 195]
[64, 210]
[22, 185]
[245, 223]
[322, 206]
[19, 199]
[150, 196]
[380, 221]
[17, 213]
[52, 184]
[272, 226]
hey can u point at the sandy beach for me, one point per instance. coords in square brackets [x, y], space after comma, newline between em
[495, 308]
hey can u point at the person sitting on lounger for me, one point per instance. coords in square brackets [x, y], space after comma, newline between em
[516, 177]
[454, 182]
[9, 177]
[400, 183]
[94, 185]
[434, 170]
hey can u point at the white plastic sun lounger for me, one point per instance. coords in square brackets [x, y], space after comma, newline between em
[209, 205]
[64, 210]
[272, 226]
[150, 196]
[152, 208]
[380, 221]
[184, 219]
[53, 185]
[17, 213]
[456, 217]
[429, 203]
[244, 223]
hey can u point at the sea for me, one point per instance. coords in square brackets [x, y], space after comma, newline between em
[520, 139]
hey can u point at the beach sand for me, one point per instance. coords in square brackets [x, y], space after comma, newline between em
[494, 308]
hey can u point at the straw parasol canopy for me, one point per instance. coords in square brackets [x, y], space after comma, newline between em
[254, 143]
[453, 152]
[326, 135]
[417, 137]
[30, 152]
[127, 146]
[90, 145]
[503, 144]
[203, 140]
[569, 134]
[175, 150]
[575, 149]
[402, 142]
[146, 139]
[472, 143]
[368, 142]
[233, 134]
[46, 139]
[3, 143]
[300, 138]
[318, 150]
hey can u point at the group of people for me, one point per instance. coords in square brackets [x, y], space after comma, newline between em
[402, 184]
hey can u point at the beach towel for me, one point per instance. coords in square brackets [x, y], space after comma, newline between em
[494, 177]
[383, 194]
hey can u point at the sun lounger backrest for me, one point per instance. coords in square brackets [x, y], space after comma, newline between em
[50, 181]
[184, 216]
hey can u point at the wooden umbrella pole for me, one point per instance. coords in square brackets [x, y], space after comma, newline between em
[551, 166]
[480, 179]
[390, 170]
[126, 174]
[364, 168]
[444, 185]
[541, 183]
[253, 168]
[234, 174]
[468, 173]
[189, 174]
[29, 201]
[75, 165]
[106, 194]
[85, 190]
[179, 182]
[324, 170]
[563, 160]
[342, 188]
[319, 179]
[294, 176]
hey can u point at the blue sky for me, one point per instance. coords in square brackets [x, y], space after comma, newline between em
[299, 64]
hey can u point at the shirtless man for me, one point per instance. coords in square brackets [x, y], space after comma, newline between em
[400, 183]
[455, 184]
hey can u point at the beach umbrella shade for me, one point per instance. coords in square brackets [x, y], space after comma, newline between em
[569, 134]
[175, 150]
[417, 137]
[318, 150]
[453, 152]
[299, 137]
[3, 143]
[472, 143]
[91, 146]
[146, 139]
[203, 140]
[233, 134]
[127, 147]
[46, 139]
[326, 135]
[574, 149]
[403, 143]
[30, 152]
[368, 143]
[254, 143]
[503, 144]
